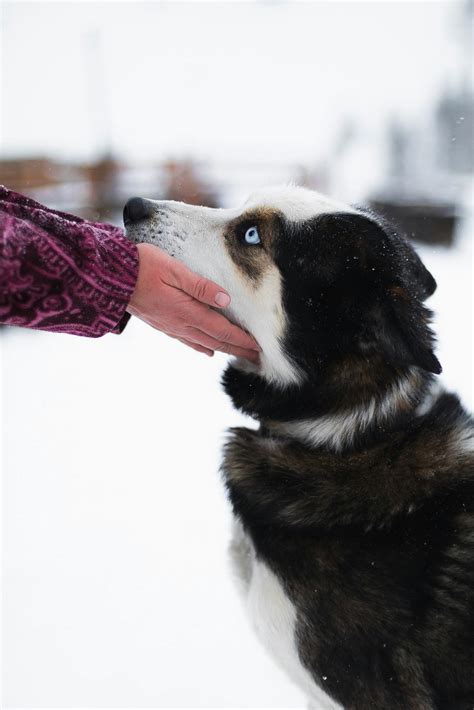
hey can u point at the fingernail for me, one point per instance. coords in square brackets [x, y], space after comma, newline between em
[222, 299]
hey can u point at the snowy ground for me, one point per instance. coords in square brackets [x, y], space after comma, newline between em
[116, 585]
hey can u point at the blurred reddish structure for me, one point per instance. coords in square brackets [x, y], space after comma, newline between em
[182, 182]
[98, 190]
[103, 178]
[28, 173]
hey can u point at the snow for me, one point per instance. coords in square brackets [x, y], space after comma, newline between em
[117, 590]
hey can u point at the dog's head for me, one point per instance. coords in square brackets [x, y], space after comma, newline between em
[314, 281]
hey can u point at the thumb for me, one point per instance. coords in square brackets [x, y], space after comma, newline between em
[200, 288]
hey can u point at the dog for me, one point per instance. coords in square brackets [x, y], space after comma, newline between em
[354, 499]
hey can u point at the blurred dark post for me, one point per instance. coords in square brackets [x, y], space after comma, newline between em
[103, 177]
[100, 123]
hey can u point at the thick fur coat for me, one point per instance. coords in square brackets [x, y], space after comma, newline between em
[354, 497]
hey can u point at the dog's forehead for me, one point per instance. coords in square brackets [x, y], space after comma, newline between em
[296, 203]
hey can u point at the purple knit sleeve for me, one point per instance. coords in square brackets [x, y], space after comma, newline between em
[61, 273]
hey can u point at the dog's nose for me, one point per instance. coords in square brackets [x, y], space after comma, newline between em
[136, 209]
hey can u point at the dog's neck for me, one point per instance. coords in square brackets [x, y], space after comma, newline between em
[345, 409]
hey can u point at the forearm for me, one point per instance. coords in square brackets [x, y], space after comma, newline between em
[61, 273]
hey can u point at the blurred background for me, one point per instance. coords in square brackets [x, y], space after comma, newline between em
[116, 588]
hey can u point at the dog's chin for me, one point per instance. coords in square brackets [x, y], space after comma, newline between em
[239, 362]
[138, 237]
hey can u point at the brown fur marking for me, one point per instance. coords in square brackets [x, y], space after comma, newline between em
[253, 261]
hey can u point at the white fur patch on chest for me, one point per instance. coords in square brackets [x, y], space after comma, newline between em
[338, 430]
[273, 615]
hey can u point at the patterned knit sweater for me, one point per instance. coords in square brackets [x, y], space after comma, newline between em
[61, 273]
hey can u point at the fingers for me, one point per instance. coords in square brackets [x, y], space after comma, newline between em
[206, 341]
[200, 288]
[178, 306]
[219, 328]
[195, 346]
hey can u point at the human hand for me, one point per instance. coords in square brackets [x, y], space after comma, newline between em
[173, 299]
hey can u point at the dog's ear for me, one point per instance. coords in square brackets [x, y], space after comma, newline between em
[422, 282]
[388, 281]
[398, 326]
[377, 245]
[402, 283]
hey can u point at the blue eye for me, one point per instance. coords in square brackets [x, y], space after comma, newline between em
[251, 236]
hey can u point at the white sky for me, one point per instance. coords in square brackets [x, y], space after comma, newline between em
[261, 80]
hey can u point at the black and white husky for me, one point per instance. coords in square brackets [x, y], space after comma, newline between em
[354, 500]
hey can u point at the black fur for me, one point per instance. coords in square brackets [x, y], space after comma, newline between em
[374, 545]
[353, 296]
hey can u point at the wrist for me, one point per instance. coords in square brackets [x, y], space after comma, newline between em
[142, 277]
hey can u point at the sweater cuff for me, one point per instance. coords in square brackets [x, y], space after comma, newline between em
[120, 327]
[118, 265]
